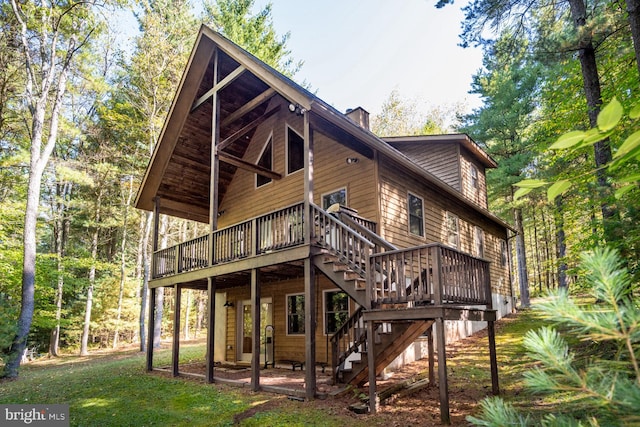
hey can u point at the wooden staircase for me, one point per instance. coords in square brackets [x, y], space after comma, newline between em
[402, 292]
[392, 338]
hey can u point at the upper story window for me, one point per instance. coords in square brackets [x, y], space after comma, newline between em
[295, 151]
[478, 242]
[336, 310]
[453, 231]
[504, 253]
[416, 215]
[295, 314]
[338, 196]
[266, 161]
[474, 177]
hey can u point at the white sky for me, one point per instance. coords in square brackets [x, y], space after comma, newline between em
[356, 52]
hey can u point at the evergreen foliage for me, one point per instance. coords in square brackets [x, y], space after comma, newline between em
[591, 355]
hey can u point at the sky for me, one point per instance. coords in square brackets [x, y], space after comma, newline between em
[356, 52]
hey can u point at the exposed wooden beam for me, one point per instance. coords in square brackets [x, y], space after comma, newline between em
[222, 83]
[255, 102]
[185, 208]
[237, 135]
[243, 164]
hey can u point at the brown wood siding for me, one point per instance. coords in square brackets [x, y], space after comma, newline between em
[395, 186]
[287, 347]
[439, 159]
[331, 172]
[477, 195]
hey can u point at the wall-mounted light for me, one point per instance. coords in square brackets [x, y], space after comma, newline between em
[352, 160]
[228, 304]
[295, 108]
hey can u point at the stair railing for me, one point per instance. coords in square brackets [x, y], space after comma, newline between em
[350, 338]
[339, 239]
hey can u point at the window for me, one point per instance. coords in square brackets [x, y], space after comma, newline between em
[339, 196]
[295, 314]
[453, 234]
[478, 242]
[504, 253]
[416, 215]
[336, 311]
[474, 176]
[295, 151]
[266, 161]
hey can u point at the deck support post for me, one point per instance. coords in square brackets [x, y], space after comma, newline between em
[371, 361]
[442, 372]
[495, 388]
[214, 161]
[255, 329]
[150, 324]
[310, 329]
[211, 323]
[432, 359]
[175, 351]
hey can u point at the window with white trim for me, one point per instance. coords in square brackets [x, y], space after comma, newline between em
[338, 196]
[478, 242]
[416, 215]
[295, 314]
[453, 231]
[336, 310]
[474, 177]
[504, 253]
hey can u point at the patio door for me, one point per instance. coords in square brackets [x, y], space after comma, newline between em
[245, 328]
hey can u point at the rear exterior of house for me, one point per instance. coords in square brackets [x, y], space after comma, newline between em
[326, 244]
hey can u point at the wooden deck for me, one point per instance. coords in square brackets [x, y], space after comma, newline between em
[432, 274]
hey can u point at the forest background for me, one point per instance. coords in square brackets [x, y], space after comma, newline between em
[79, 119]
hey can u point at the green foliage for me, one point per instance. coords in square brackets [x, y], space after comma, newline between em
[627, 154]
[602, 386]
[254, 33]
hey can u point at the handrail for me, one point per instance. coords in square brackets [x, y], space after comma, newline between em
[354, 340]
[332, 234]
[378, 241]
[432, 274]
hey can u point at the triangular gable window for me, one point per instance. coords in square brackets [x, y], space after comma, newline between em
[266, 161]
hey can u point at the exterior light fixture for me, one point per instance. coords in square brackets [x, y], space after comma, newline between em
[352, 160]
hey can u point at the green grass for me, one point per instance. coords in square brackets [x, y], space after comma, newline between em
[115, 389]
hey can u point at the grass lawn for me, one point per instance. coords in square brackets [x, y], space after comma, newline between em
[115, 390]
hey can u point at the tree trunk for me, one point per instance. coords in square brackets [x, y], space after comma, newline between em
[123, 259]
[561, 246]
[52, 93]
[146, 271]
[521, 258]
[592, 90]
[633, 10]
[92, 277]
[157, 327]
[60, 224]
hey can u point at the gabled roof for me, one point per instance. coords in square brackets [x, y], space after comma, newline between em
[461, 138]
[179, 169]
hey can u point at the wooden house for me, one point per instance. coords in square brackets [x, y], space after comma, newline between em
[329, 243]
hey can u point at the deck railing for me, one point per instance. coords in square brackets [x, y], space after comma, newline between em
[432, 274]
[277, 230]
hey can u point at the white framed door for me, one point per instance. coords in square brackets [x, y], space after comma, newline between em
[245, 328]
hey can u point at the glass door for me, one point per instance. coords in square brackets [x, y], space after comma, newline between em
[245, 330]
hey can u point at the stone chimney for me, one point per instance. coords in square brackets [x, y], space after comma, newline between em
[360, 116]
